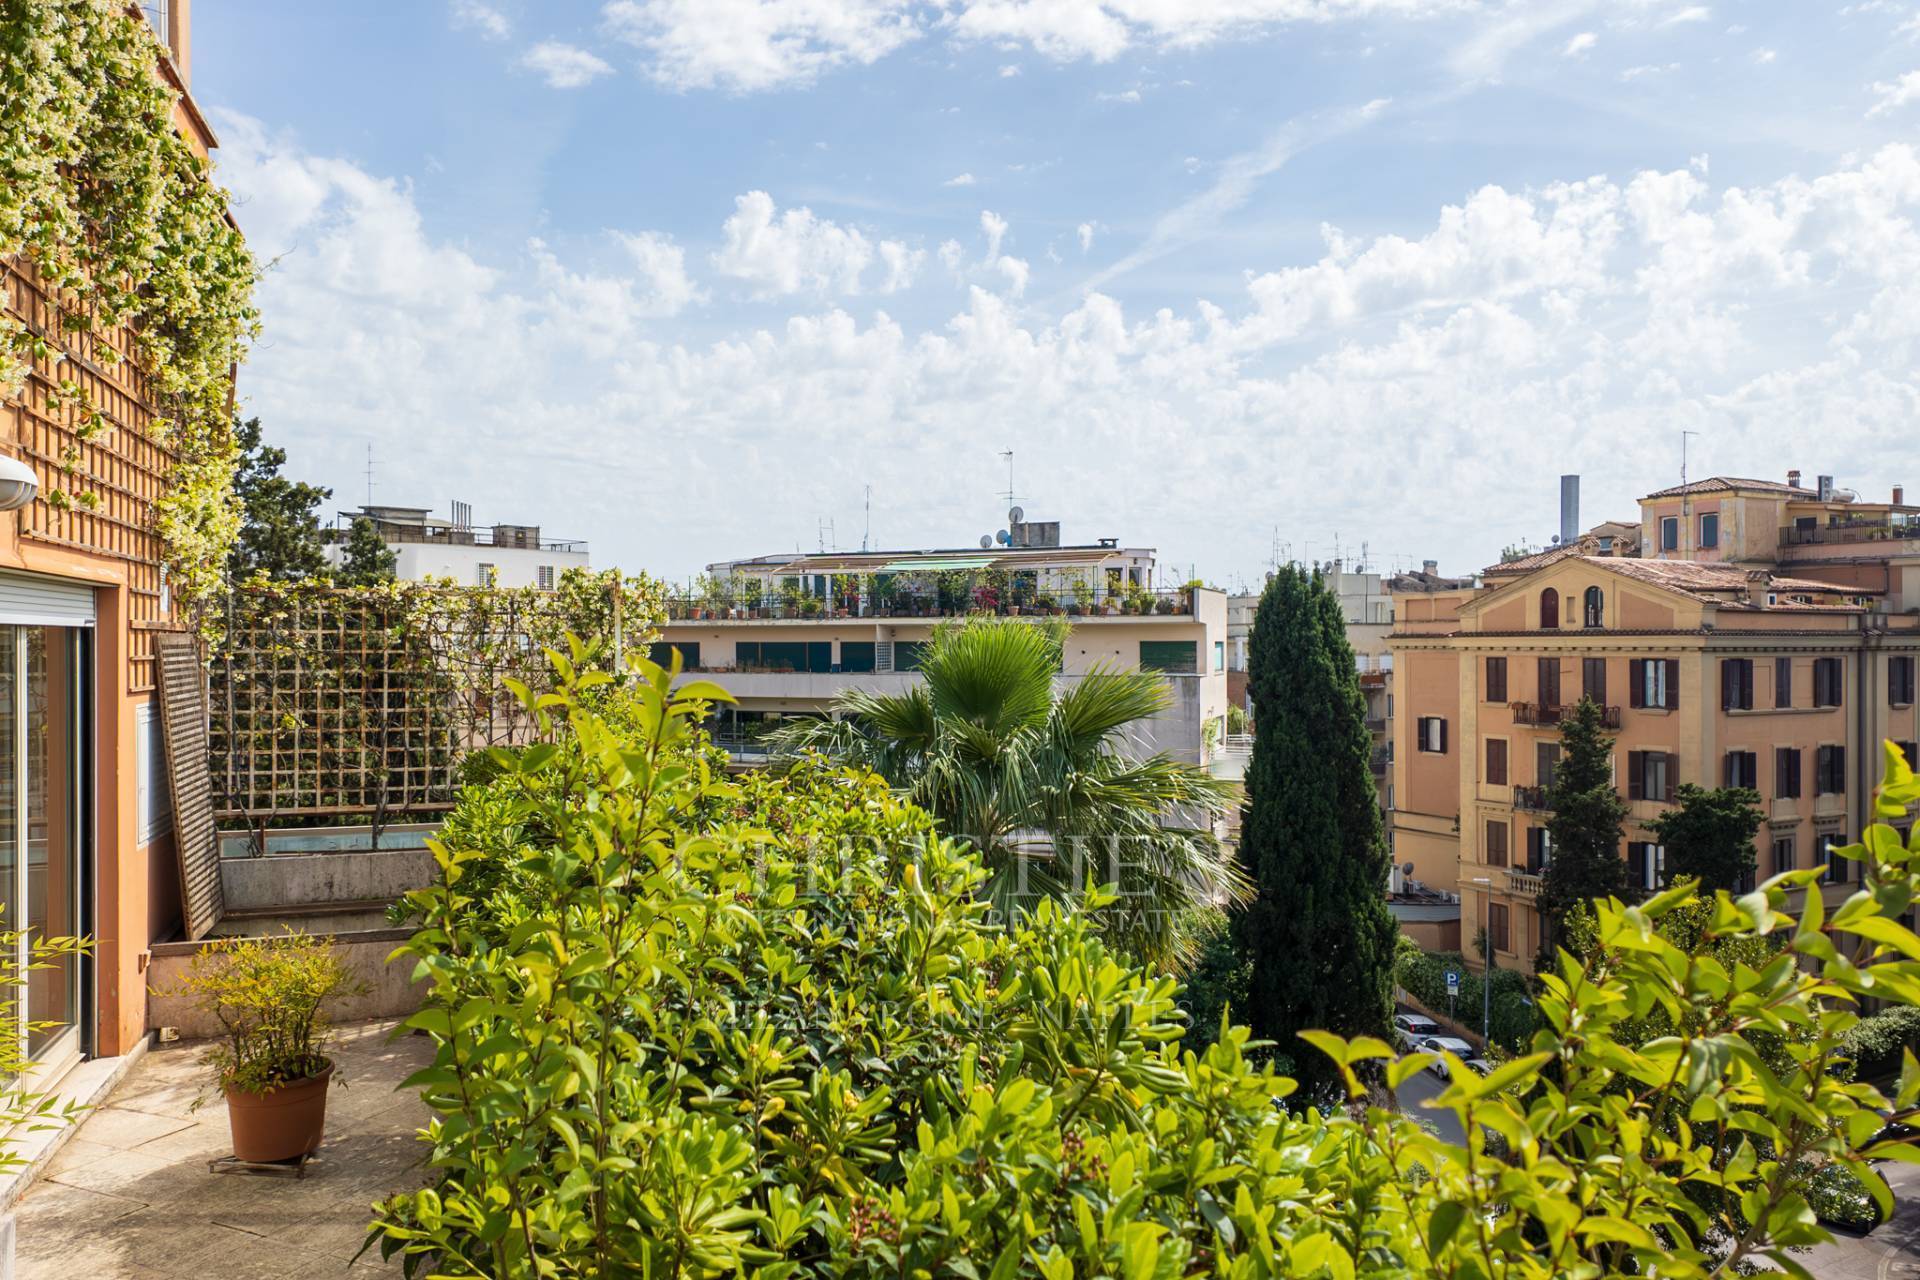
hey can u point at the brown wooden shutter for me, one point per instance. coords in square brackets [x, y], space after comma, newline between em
[1673, 684]
[183, 713]
[1636, 775]
[1637, 682]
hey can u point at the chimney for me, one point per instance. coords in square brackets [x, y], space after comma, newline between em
[1569, 508]
[1430, 567]
[1899, 495]
[1793, 477]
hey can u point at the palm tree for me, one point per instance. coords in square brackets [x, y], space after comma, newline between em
[1041, 781]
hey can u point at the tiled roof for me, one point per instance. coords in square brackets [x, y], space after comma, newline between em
[1728, 484]
[1708, 581]
[1538, 560]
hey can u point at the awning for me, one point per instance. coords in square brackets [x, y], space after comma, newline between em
[955, 562]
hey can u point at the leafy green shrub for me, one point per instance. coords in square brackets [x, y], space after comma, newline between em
[1423, 975]
[1876, 1044]
[761, 1027]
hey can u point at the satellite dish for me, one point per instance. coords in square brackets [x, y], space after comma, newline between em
[1003, 538]
[1015, 516]
[986, 541]
[1406, 868]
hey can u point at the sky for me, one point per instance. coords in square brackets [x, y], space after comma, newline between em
[1233, 279]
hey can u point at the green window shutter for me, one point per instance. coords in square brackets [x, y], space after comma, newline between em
[1179, 657]
[746, 653]
[819, 656]
[661, 653]
[856, 655]
[907, 654]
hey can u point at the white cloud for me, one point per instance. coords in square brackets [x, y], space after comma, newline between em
[484, 18]
[1891, 95]
[1764, 56]
[959, 180]
[1009, 71]
[1692, 13]
[759, 44]
[1016, 272]
[1517, 334]
[1085, 232]
[1648, 69]
[994, 227]
[796, 252]
[1125, 95]
[667, 290]
[564, 66]
[1579, 45]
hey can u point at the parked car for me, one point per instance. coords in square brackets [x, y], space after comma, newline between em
[1448, 1044]
[1415, 1026]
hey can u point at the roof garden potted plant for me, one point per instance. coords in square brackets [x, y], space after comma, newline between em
[751, 592]
[1082, 595]
[269, 996]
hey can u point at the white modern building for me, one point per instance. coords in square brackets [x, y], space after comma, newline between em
[426, 546]
[785, 634]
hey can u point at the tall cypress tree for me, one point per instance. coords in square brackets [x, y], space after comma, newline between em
[1318, 938]
[1588, 823]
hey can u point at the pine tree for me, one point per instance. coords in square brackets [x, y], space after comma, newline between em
[1318, 938]
[1709, 833]
[280, 525]
[1588, 821]
[367, 560]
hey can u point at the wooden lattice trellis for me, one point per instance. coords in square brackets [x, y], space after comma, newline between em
[123, 467]
[332, 703]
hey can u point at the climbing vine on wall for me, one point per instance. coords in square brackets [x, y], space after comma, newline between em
[115, 211]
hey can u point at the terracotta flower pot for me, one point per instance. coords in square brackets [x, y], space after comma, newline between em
[282, 1123]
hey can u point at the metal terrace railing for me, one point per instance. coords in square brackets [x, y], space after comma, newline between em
[741, 603]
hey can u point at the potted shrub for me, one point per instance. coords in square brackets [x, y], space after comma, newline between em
[269, 997]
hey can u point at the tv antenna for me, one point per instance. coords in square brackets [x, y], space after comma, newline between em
[866, 534]
[824, 529]
[1686, 499]
[1008, 455]
[369, 473]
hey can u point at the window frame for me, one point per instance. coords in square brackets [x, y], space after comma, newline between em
[1496, 688]
[1669, 533]
[1709, 530]
[1495, 766]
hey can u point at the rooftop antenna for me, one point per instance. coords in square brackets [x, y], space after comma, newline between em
[1008, 455]
[824, 530]
[1686, 499]
[369, 473]
[866, 533]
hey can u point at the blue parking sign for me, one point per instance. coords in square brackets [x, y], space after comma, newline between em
[1453, 982]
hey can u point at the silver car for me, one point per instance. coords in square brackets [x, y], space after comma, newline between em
[1448, 1044]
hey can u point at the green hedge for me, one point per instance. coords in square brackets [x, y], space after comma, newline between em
[1423, 975]
[1875, 1043]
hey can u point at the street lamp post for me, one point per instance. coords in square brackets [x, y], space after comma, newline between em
[1486, 968]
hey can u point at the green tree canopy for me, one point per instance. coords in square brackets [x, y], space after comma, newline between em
[280, 522]
[1588, 822]
[1318, 938]
[1709, 834]
[1043, 781]
[366, 560]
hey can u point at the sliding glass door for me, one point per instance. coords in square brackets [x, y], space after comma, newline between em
[43, 828]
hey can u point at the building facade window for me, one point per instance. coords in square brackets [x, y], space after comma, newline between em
[1546, 759]
[1909, 752]
[1594, 605]
[1709, 530]
[1670, 533]
[1743, 770]
[1593, 679]
[1499, 928]
[1736, 684]
[1174, 657]
[857, 655]
[483, 575]
[1650, 775]
[1900, 680]
[1549, 609]
[1539, 850]
[1548, 673]
[543, 577]
[1786, 773]
[1497, 762]
[1827, 856]
[1646, 864]
[660, 653]
[1656, 683]
[1219, 655]
[1783, 682]
[1496, 844]
[1830, 771]
[1433, 735]
[1826, 682]
[1496, 679]
[1785, 853]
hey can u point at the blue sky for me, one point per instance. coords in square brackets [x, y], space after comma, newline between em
[683, 277]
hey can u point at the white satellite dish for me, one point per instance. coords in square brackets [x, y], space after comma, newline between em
[1015, 516]
[986, 541]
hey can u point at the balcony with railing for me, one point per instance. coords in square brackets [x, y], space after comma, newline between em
[1546, 715]
[1531, 799]
[747, 604]
[1526, 884]
[1848, 532]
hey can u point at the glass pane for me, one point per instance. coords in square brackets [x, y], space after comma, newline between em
[52, 829]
